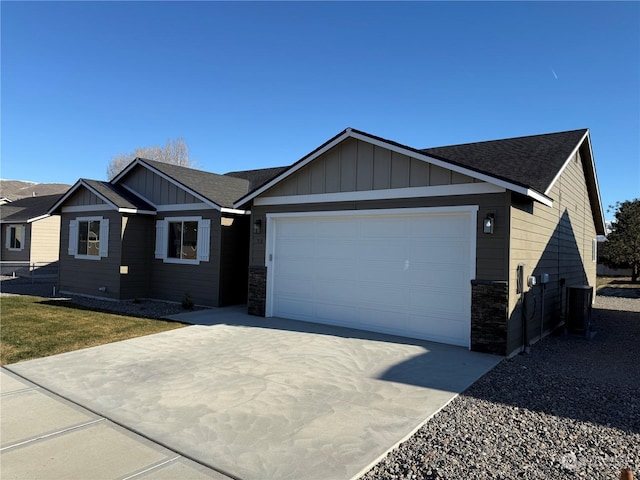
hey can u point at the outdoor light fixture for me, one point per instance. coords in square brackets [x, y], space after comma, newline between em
[487, 225]
[257, 227]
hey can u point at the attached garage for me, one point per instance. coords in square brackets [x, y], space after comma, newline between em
[433, 243]
[405, 271]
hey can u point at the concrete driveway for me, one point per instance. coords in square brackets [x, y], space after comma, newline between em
[257, 398]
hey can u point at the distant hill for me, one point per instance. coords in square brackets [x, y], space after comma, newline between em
[16, 189]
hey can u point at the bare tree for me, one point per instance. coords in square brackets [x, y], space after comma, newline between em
[175, 152]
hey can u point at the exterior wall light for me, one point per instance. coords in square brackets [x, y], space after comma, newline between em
[257, 227]
[487, 224]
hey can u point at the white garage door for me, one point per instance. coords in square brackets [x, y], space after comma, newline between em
[394, 272]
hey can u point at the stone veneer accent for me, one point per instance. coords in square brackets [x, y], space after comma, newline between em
[256, 301]
[489, 315]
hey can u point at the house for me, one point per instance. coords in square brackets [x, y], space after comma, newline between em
[157, 231]
[473, 245]
[30, 237]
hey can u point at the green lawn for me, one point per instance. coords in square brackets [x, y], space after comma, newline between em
[34, 327]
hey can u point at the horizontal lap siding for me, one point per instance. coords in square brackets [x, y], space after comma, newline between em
[45, 241]
[87, 276]
[172, 281]
[555, 240]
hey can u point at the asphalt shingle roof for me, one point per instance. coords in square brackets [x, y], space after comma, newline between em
[119, 196]
[27, 208]
[222, 190]
[532, 161]
[259, 177]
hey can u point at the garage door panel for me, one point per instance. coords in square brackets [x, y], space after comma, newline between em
[369, 293]
[341, 315]
[329, 270]
[338, 291]
[385, 226]
[439, 226]
[406, 274]
[390, 321]
[336, 248]
[335, 228]
[452, 252]
[382, 249]
[426, 276]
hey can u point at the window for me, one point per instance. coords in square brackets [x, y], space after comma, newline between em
[183, 240]
[89, 237]
[594, 250]
[15, 237]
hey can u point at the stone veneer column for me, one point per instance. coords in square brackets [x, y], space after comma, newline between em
[256, 301]
[489, 315]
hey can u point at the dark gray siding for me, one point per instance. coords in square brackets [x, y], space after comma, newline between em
[138, 233]
[86, 277]
[16, 255]
[172, 281]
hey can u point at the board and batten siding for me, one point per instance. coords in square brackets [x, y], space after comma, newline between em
[83, 197]
[172, 281]
[555, 240]
[355, 165]
[155, 188]
[86, 277]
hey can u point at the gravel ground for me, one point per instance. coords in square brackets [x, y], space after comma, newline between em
[570, 409]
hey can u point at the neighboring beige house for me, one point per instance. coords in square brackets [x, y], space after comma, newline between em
[442, 244]
[30, 236]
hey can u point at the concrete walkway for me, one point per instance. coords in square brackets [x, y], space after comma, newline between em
[259, 398]
[44, 436]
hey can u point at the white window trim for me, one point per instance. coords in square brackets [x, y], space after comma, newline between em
[104, 238]
[594, 250]
[22, 237]
[162, 237]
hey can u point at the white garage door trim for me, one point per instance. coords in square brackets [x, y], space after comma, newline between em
[467, 211]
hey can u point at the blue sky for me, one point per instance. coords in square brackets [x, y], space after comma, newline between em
[252, 85]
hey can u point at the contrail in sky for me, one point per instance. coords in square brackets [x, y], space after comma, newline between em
[554, 73]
